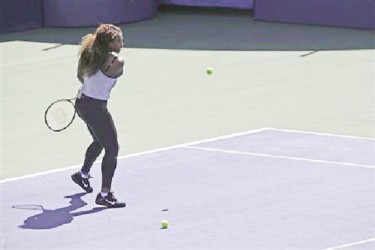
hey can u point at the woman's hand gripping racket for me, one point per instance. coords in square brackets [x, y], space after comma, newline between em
[60, 114]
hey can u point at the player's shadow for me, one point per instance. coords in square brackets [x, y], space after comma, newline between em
[52, 218]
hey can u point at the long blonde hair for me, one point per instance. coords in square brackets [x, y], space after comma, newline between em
[94, 48]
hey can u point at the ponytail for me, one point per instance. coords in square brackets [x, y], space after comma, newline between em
[87, 55]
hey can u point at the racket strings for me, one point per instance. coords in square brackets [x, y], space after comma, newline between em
[60, 115]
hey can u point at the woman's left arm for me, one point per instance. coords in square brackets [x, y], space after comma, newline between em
[117, 67]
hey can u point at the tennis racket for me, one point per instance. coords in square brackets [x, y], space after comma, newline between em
[60, 114]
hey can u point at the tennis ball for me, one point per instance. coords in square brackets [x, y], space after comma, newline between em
[164, 224]
[209, 71]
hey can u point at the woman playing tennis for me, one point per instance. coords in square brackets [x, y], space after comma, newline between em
[98, 70]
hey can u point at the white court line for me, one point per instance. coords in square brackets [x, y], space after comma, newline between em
[192, 143]
[323, 134]
[351, 244]
[280, 157]
[139, 154]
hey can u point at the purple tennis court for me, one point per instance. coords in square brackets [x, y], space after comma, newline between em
[264, 189]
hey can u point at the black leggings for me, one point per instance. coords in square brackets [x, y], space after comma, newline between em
[103, 131]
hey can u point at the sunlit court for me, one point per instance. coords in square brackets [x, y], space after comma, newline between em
[180, 124]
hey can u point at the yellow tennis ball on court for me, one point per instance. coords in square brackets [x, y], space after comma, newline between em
[209, 71]
[164, 224]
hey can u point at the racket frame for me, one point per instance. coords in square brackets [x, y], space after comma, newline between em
[72, 119]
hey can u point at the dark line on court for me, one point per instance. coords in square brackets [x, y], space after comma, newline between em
[53, 47]
[310, 53]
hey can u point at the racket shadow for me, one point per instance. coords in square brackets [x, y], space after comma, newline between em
[52, 218]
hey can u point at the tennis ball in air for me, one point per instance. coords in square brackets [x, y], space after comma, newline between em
[164, 224]
[209, 71]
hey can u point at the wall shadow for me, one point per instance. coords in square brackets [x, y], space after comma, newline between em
[214, 29]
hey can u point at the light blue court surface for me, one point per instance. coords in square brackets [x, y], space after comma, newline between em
[265, 189]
